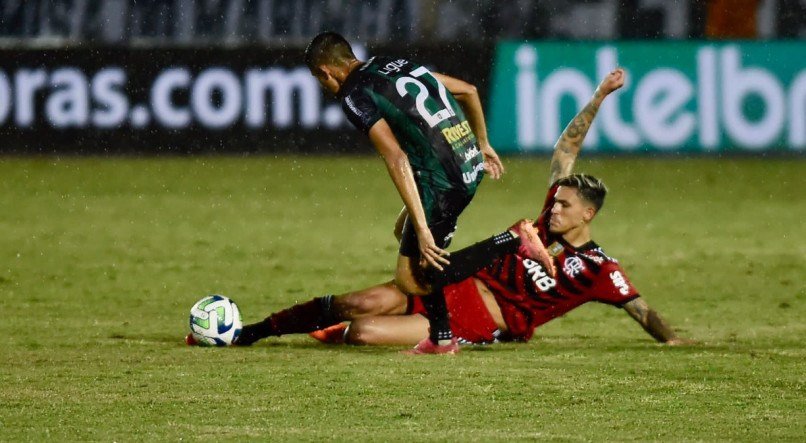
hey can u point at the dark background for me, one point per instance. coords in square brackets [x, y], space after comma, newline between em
[456, 37]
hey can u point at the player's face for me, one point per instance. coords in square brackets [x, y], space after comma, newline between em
[569, 211]
[326, 79]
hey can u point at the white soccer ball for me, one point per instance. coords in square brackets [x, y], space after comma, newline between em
[215, 321]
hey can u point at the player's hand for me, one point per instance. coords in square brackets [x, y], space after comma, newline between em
[613, 81]
[492, 164]
[430, 253]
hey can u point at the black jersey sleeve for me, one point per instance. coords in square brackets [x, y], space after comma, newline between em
[361, 110]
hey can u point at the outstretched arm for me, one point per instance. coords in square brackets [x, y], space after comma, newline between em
[468, 97]
[570, 143]
[652, 322]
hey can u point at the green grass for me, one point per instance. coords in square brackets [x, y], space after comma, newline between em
[101, 259]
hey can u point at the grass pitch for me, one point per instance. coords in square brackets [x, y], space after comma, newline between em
[101, 259]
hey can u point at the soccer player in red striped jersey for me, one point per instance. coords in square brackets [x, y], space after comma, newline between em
[514, 294]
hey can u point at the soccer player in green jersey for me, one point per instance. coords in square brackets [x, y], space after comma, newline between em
[430, 130]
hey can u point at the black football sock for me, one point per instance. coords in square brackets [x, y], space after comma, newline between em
[301, 318]
[466, 262]
[437, 316]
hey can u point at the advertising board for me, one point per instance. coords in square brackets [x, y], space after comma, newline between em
[116, 100]
[680, 96]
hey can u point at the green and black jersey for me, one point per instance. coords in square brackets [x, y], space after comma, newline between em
[425, 118]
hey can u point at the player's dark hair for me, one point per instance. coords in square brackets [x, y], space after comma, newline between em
[328, 48]
[589, 188]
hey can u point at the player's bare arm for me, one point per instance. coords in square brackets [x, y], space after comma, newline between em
[397, 163]
[652, 322]
[468, 97]
[570, 143]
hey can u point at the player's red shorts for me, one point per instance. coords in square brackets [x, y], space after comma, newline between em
[471, 322]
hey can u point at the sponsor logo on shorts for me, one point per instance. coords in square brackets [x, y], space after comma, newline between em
[471, 153]
[470, 177]
[449, 237]
[457, 132]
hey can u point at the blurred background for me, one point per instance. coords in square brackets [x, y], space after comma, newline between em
[185, 76]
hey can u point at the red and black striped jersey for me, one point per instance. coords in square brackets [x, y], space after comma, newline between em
[529, 297]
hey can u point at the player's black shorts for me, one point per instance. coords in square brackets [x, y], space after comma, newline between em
[442, 212]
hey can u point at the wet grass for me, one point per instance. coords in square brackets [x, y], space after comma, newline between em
[100, 260]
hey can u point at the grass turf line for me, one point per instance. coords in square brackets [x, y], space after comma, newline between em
[101, 259]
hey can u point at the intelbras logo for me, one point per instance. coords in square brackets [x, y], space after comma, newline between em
[678, 95]
[216, 98]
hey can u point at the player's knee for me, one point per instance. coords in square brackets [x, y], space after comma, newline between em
[410, 276]
[406, 286]
[377, 300]
[360, 332]
[360, 306]
[409, 284]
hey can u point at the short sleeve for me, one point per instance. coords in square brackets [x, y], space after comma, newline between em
[612, 286]
[361, 110]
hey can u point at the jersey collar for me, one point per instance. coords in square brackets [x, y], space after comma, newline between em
[590, 245]
[351, 80]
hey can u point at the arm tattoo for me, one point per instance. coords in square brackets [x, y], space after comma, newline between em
[570, 142]
[556, 170]
[650, 320]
